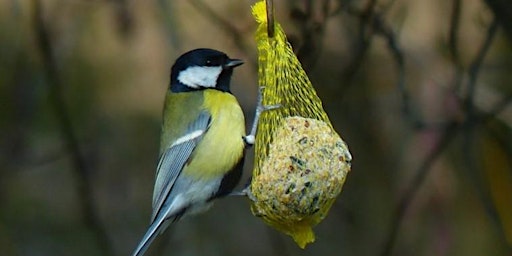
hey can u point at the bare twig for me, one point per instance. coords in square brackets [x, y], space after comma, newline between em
[270, 18]
[474, 68]
[223, 24]
[383, 30]
[124, 15]
[372, 24]
[453, 43]
[501, 134]
[454, 31]
[363, 41]
[469, 150]
[473, 168]
[448, 135]
[497, 109]
[311, 21]
[83, 179]
[410, 193]
[502, 10]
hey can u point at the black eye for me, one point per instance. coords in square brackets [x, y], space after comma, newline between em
[209, 63]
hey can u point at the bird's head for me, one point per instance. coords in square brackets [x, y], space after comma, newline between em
[202, 69]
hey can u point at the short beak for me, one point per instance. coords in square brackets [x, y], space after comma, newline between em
[233, 63]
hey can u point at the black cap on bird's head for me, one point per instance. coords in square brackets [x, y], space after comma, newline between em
[202, 69]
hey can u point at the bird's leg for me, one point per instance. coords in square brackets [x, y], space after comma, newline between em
[245, 192]
[251, 138]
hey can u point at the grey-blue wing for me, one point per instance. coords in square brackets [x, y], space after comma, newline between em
[174, 158]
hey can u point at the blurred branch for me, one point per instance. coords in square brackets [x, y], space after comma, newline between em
[270, 18]
[450, 130]
[385, 31]
[223, 24]
[380, 28]
[47, 158]
[497, 109]
[410, 193]
[469, 149]
[311, 20]
[502, 10]
[501, 134]
[454, 31]
[474, 170]
[124, 17]
[453, 43]
[475, 66]
[364, 38]
[170, 22]
[372, 23]
[83, 179]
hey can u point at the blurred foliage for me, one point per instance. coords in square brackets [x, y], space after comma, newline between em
[420, 98]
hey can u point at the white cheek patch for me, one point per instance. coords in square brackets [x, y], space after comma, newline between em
[196, 76]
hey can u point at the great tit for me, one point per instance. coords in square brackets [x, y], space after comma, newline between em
[202, 140]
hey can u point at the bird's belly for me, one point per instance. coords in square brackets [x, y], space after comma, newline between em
[222, 146]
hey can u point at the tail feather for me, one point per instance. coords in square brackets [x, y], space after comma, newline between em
[157, 227]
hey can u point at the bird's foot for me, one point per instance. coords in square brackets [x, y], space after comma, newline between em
[260, 108]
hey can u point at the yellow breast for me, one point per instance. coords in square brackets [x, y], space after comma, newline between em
[222, 146]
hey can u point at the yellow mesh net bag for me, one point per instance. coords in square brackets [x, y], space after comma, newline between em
[300, 162]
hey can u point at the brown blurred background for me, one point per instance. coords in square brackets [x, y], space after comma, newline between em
[418, 89]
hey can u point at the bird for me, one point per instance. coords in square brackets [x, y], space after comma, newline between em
[202, 143]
